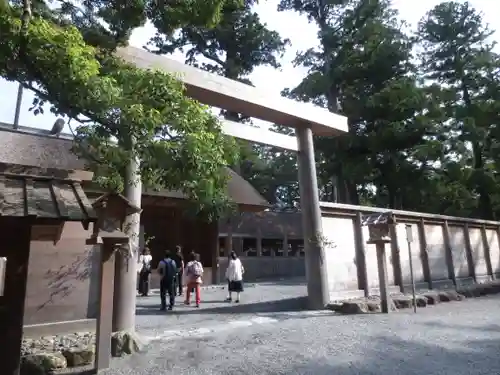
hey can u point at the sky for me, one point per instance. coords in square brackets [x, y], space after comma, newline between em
[289, 24]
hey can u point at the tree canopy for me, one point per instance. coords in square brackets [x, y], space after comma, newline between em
[422, 102]
[65, 57]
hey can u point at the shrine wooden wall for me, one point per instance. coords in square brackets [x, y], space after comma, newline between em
[62, 286]
[168, 227]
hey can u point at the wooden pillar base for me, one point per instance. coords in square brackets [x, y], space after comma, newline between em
[382, 276]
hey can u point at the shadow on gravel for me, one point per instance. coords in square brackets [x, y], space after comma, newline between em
[492, 328]
[291, 304]
[389, 355]
[278, 282]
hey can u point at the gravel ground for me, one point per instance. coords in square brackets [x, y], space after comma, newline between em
[452, 338]
[264, 297]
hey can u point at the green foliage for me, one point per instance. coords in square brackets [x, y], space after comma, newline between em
[126, 112]
[233, 49]
[429, 118]
[423, 107]
[362, 69]
[458, 56]
[240, 35]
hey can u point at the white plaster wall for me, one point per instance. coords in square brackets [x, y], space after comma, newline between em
[492, 237]
[459, 251]
[340, 258]
[404, 256]
[478, 253]
[371, 262]
[436, 251]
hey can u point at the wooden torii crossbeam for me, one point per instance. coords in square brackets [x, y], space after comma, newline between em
[306, 119]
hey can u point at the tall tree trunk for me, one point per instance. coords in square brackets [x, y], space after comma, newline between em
[125, 286]
[25, 21]
[485, 208]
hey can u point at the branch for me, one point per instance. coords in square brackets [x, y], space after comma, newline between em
[86, 153]
[25, 23]
[213, 58]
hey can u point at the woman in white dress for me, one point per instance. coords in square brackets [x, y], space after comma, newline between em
[144, 268]
[234, 275]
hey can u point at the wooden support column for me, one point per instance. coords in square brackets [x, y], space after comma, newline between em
[382, 277]
[213, 239]
[285, 244]
[228, 241]
[361, 269]
[470, 256]
[105, 314]
[297, 253]
[258, 241]
[487, 252]
[498, 237]
[424, 254]
[396, 257]
[15, 246]
[449, 253]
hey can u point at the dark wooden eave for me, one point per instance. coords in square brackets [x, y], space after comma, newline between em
[56, 154]
[34, 192]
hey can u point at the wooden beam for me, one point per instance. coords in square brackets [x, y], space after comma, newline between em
[39, 173]
[333, 208]
[258, 135]
[221, 92]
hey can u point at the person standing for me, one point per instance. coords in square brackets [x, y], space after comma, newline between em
[234, 275]
[193, 274]
[168, 270]
[179, 261]
[145, 260]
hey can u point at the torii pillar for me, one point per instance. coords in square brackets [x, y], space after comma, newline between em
[316, 268]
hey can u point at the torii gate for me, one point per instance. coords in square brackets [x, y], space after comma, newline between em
[306, 119]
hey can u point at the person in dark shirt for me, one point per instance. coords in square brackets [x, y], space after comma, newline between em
[168, 270]
[179, 261]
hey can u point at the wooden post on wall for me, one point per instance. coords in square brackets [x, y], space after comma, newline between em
[360, 255]
[424, 254]
[396, 258]
[487, 253]
[498, 242]
[213, 239]
[470, 256]
[258, 239]
[449, 253]
[285, 244]
[228, 241]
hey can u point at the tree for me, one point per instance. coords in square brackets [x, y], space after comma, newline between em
[458, 58]
[115, 101]
[362, 68]
[233, 49]
[160, 136]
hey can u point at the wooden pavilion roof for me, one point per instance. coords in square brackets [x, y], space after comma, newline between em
[43, 193]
